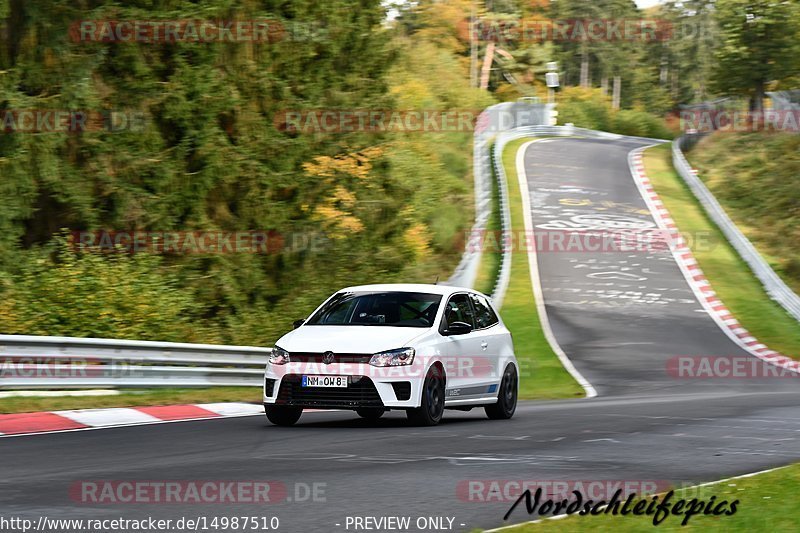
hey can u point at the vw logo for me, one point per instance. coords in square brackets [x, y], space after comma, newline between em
[328, 358]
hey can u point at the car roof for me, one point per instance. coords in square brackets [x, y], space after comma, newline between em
[444, 290]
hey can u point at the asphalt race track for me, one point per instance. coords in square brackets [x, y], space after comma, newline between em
[620, 317]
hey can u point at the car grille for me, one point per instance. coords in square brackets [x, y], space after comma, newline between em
[360, 392]
[350, 358]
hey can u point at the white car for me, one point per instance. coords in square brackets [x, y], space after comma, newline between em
[373, 348]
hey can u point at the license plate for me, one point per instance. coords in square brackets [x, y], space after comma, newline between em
[325, 381]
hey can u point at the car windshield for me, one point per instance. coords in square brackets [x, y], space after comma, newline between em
[398, 309]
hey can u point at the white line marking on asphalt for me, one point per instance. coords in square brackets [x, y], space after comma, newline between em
[536, 283]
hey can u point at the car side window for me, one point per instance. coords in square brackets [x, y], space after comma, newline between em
[340, 314]
[484, 314]
[458, 310]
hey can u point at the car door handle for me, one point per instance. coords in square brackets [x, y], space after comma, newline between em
[484, 345]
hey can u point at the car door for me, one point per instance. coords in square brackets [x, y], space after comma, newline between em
[492, 336]
[465, 362]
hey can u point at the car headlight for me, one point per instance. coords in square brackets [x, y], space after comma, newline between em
[399, 357]
[279, 356]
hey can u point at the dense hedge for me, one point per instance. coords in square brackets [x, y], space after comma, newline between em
[588, 108]
[756, 176]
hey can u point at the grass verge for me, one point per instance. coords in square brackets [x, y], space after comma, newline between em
[728, 274]
[132, 398]
[761, 507]
[543, 375]
[755, 176]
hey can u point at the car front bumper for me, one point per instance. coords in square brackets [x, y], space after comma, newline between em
[361, 392]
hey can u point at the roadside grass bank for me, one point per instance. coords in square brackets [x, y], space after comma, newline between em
[543, 375]
[728, 274]
[755, 176]
[131, 398]
[761, 507]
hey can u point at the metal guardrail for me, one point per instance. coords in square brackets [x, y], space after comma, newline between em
[32, 362]
[494, 120]
[774, 285]
[785, 100]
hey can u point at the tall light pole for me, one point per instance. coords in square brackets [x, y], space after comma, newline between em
[551, 78]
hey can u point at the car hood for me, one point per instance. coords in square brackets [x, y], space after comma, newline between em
[349, 339]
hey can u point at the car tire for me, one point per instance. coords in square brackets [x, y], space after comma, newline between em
[431, 408]
[370, 413]
[282, 415]
[506, 396]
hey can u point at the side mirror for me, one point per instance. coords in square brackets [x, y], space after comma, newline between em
[297, 323]
[458, 328]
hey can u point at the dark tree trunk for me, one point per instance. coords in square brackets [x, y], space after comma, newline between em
[757, 98]
[756, 119]
[15, 28]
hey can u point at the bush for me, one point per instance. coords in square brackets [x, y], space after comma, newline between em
[585, 108]
[93, 294]
[755, 176]
[588, 108]
[629, 122]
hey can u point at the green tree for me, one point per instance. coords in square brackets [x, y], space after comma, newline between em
[758, 45]
[687, 56]
[213, 155]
